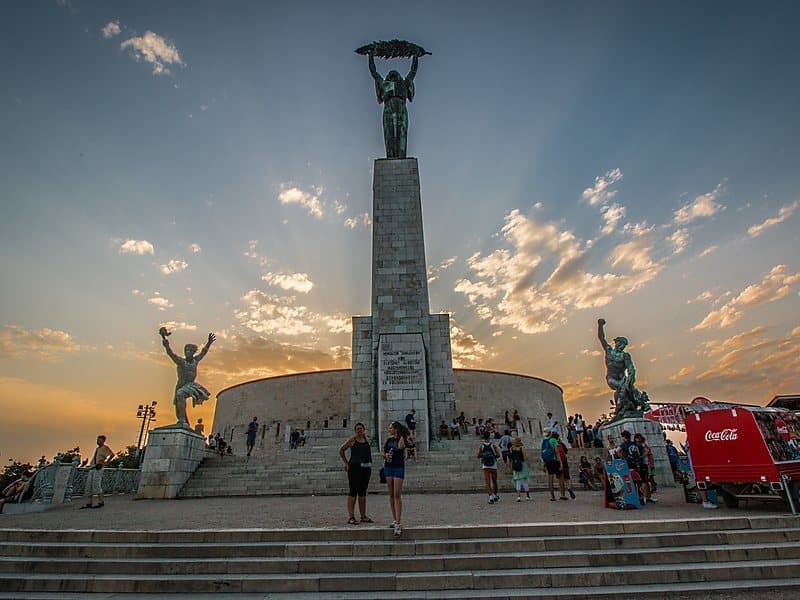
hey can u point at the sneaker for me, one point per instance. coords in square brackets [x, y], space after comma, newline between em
[397, 530]
[393, 524]
[652, 499]
[491, 499]
[571, 494]
[528, 498]
[709, 505]
[496, 498]
[519, 499]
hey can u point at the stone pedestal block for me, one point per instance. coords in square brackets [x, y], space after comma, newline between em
[400, 316]
[171, 457]
[62, 483]
[654, 435]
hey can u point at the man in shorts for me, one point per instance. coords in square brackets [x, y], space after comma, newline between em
[505, 447]
[94, 481]
[252, 430]
[552, 463]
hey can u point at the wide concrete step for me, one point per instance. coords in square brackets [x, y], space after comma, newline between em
[100, 563]
[394, 580]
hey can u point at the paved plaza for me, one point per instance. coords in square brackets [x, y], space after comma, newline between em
[122, 512]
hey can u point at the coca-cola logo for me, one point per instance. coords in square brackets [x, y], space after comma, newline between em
[726, 435]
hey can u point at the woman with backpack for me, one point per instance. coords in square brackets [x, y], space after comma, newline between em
[394, 452]
[519, 469]
[488, 455]
[359, 469]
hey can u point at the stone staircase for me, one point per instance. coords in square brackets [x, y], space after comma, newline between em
[598, 560]
[451, 466]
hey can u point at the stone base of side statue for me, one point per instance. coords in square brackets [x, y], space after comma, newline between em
[653, 433]
[172, 455]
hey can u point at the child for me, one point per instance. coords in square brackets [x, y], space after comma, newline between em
[519, 469]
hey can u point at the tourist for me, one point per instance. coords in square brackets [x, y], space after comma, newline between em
[411, 421]
[394, 471]
[221, 445]
[613, 448]
[551, 422]
[199, 428]
[561, 449]
[520, 472]
[599, 469]
[294, 438]
[672, 455]
[586, 474]
[579, 428]
[650, 461]
[517, 422]
[488, 455]
[212, 442]
[462, 421]
[411, 447]
[505, 447]
[455, 430]
[444, 431]
[552, 463]
[633, 453]
[252, 430]
[94, 480]
[14, 491]
[302, 438]
[359, 469]
[479, 428]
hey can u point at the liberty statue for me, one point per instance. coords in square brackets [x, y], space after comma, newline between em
[187, 373]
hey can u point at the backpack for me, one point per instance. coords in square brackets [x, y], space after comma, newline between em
[488, 457]
[548, 452]
[516, 461]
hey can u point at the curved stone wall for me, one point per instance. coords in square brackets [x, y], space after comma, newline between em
[320, 401]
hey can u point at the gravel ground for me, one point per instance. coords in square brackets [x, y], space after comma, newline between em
[125, 513]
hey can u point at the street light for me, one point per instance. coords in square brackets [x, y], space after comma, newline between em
[147, 413]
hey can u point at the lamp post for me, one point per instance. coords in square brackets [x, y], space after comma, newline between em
[147, 413]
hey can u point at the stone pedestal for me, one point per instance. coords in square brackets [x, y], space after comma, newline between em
[62, 483]
[171, 457]
[401, 332]
[653, 434]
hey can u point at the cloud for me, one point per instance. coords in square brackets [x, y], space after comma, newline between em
[703, 206]
[160, 302]
[361, 220]
[748, 367]
[110, 29]
[683, 373]
[137, 292]
[251, 249]
[703, 297]
[600, 192]
[338, 207]
[680, 240]
[339, 324]
[195, 248]
[308, 200]
[612, 215]
[434, 270]
[775, 285]
[784, 213]
[44, 343]
[256, 357]
[176, 325]
[154, 49]
[465, 349]
[270, 314]
[545, 272]
[298, 282]
[140, 247]
[708, 251]
[173, 266]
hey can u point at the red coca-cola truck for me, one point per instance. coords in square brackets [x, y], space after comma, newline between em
[745, 452]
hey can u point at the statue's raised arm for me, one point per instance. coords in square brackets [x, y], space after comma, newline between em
[601, 335]
[204, 351]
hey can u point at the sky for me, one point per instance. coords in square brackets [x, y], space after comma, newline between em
[208, 166]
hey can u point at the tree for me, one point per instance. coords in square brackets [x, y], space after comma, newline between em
[14, 471]
[127, 459]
